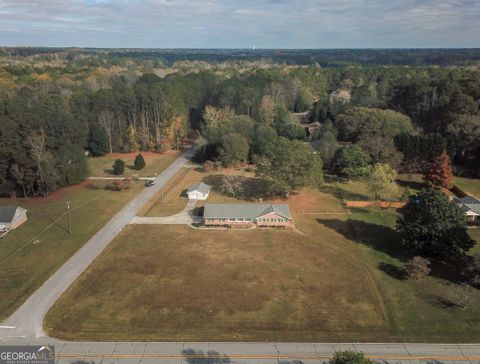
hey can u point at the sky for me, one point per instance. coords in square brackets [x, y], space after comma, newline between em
[241, 23]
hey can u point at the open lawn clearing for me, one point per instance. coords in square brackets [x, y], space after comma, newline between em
[340, 279]
[154, 163]
[172, 283]
[475, 234]
[357, 190]
[173, 198]
[425, 310]
[469, 185]
[30, 254]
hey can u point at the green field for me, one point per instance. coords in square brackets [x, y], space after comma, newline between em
[34, 251]
[154, 163]
[469, 185]
[339, 278]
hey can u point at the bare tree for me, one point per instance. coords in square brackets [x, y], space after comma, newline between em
[39, 153]
[106, 121]
[19, 176]
[417, 267]
[232, 185]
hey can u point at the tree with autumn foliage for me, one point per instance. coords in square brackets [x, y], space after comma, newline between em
[439, 172]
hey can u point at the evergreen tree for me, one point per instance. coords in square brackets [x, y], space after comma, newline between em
[139, 162]
[118, 167]
[98, 142]
[433, 226]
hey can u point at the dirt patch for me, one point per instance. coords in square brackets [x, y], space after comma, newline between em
[384, 204]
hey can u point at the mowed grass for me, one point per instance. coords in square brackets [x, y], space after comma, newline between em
[338, 278]
[31, 253]
[175, 283]
[173, 198]
[34, 251]
[469, 185]
[154, 163]
[357, 190]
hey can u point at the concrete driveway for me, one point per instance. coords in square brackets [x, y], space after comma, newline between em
[27, 321]
[184, 217]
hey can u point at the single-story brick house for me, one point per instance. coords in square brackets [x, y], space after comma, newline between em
[471, 206]
[12, 217]
[199, 191]
[245, 215]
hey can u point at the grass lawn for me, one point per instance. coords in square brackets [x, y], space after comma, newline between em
[34, 251]
[173, 197]
[469, 185]
[154, 163]
[218, 285]
[339, 278]
[358, 189]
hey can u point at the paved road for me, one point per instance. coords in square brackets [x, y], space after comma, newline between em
[184, 217]
[253, 353]
[27, 321]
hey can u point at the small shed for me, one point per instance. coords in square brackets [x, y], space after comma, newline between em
[198, 191]
[12, 217]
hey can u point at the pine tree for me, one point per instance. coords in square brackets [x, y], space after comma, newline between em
[139, 162]
[118, 167]
[98, 143]
[438, 172]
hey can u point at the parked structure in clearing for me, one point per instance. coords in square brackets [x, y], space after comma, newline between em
[246, 215]
[11, 217]
[199, 191]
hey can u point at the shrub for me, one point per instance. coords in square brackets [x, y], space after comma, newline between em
[417, 267]
[118, 167]
[117, 185]
[208, 166]
[139, 162]
[349, 357]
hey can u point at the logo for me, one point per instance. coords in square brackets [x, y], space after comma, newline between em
[27, 354]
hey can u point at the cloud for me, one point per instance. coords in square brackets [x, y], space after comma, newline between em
[240, 23]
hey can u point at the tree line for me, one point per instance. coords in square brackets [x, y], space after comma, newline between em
[404, 117]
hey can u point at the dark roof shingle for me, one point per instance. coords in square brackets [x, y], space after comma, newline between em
[7, 213]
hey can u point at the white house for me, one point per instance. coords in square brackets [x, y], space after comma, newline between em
[12, 217]
[471, 206]
[198, 191]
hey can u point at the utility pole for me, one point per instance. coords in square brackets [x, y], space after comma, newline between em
[69, 220]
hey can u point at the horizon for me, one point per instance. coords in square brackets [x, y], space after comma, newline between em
[239, 48]
[217, 24]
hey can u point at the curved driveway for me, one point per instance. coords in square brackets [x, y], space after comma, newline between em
[27, 321]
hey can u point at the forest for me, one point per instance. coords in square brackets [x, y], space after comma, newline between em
[354, 108]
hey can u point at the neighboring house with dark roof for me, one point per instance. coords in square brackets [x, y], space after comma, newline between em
[471, 206]
[199, 191]
[247, 215]
[12, 217]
